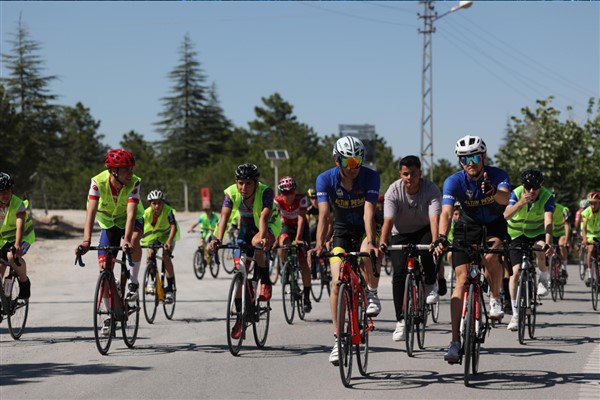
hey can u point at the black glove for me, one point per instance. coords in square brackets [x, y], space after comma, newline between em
[443, 240]
[488, 188]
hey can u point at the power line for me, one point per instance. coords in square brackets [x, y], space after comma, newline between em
[359, 17]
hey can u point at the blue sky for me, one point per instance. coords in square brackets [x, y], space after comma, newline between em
[335, 62]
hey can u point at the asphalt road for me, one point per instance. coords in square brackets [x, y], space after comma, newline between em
[188, 356]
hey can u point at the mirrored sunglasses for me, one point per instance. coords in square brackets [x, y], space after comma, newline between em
[475, 159]
[529, 186]
[351, 162]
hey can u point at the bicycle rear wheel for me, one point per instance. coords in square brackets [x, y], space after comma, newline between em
[522, 305]
[469, 334]
[594, 284]
[274, 267]
[226, 258]
[260, 327]
[235, 314]
[169, 308]
[532, 315]
[131, 322]
[149, 297]
[214, 267]
[287, 293]
[103, 338]
[422, 312]
[17, 315]
[362, 349]
[199, 263]
[409, 314]
[344, 333]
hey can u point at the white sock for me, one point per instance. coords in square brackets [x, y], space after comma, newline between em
[105, 303]
[134, 272]
[515, 310]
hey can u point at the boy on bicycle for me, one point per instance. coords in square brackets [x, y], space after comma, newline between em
[561, 230]
[208, 223]
[353, 190]
[529, 214]
[16, 232]
[292, 208]
[114, 202]
[590, 230]
[259, 223]
[161, 227]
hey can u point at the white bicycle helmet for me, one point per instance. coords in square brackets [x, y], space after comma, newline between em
[349, 146]
[469, 145]
[156, 195]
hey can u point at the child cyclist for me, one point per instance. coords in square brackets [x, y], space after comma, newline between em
[16, 233]
[114, 202]
[161, 227]
[590, 230]
[292, 208]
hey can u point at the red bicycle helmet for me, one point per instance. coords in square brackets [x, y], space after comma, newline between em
[119, 158]
[286, 184]
[593, 197]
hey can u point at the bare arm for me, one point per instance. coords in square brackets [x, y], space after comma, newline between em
[323, 225]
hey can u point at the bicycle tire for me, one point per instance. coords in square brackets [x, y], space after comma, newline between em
[214, 267]
[226, 258]
[102, 341]
[199, 264]
[554, 277]
[17, 315]
[299, 291]
[260, 327]
[532, 315]
[344, 333]
[274, 267]
[469, 334]
[362, 349]
[452, 281]
[131, 322]
[409, 314]
[522, 305]
[479, 336]
[582, 262]
[422, 311]
[316, 287]
[287, 293]
[594, 285]
[434, 309]
[169, 308]
[149, 300]
[561, 280]
[387, 264]
[235, 313]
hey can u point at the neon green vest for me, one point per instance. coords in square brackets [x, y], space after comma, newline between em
[111, 213]
[236, 197]
[593, 223]
[529, 222]
[558, 220]
[159, 232]
[8, 230]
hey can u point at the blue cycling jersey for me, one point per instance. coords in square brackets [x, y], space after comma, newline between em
[349, 207]
[476, 205]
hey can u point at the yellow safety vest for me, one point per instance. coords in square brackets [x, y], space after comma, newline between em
[111, 213]
[235, 196]
[8, 230]
[161, 230]
[558, 220]
[593, 223]
[529, 221]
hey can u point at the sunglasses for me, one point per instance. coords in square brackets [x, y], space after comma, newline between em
[350, 162]
[466, 160]
[529, 186]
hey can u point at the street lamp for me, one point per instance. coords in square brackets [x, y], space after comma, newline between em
[429, 17]
[276, 156]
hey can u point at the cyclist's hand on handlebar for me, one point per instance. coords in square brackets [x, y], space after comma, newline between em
[440, 245]
[548, 250]
[214, 244]
[83, 248]
[168, 246]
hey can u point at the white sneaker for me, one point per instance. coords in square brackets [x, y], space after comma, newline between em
[496, 311]
[432, 294]
[453, 354]
[374, 307]
[398, 334]
[333, 357]
[542, 288]
[105, 331]
[150, 287]
[169, 298]
[513, 325]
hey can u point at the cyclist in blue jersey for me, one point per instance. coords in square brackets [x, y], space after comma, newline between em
[483, 193]
[353, 191]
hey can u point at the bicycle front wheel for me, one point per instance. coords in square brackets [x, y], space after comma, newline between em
[236, 323]
[522, 305]
[169, 307]
[409, 314]
[594, 284]
[532, 315]
[387, 264]
[298, 293]
[362, 349]
[316, 288]
[422, 312]
[17, 314]
[554, 276]
[262, 318]
[274, 267]
[103, 334]
[582, 262]
[479, 331]
[469, 334]
[226, 258]
[287, 293]
[199, 263]
[434, 309]
[131, 321]
[149, 297]
[214, 267]
[344, 333]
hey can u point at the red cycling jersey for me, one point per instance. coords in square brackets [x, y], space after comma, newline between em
[290, 212]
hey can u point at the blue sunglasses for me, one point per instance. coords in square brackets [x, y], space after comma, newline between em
[466, 160]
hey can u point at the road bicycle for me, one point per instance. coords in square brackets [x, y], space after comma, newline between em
[228, 256]
[386, 264]
[292, 289]
[204, 258]
[244, 307]
[557, 278]
[353, 324]
[274, 265]
[414, 306]
[527, 297]
[595, 282]
[12, 308]
[320, 273]
[475, 321]
[154, 286]
[582, 252]
[126, 313]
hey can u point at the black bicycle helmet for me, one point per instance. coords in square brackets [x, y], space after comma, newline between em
[247, 171]
[6, 182]
[532, 177]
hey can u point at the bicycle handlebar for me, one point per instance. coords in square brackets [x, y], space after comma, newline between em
[409, 247]
[79, 260]
[363, 254]
[156, 247]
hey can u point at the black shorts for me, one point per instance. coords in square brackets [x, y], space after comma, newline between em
[291, 230]
[516, 255]
[474, 234]
[348, 240]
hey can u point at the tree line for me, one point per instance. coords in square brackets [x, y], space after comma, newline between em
[53, 150]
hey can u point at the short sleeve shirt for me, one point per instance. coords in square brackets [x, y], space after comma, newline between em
[410, 213]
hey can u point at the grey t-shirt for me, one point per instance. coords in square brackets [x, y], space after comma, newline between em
[411, 212]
